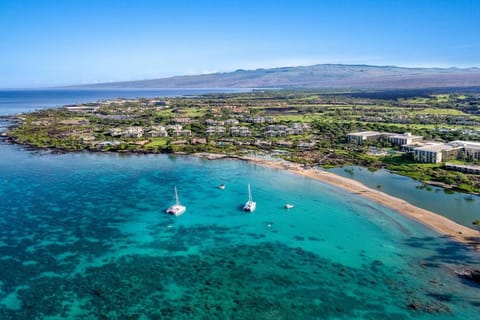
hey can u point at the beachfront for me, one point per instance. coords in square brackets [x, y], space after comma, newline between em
[431, 219]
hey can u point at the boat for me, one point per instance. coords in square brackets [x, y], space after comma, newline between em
[177, 209]
[288, 206]
[469, 198]
[250, 205]
[222, 186]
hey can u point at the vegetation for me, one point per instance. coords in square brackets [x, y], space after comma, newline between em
[302, 126]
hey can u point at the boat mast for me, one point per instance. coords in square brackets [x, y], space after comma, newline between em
[176, 196]
[249, 193]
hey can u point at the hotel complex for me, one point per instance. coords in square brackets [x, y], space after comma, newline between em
[422, 151]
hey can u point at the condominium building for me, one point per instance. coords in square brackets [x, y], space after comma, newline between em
[363, 136]
[403, 139]
[436, 153]
[471, 150]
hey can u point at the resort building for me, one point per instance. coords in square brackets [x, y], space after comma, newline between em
[184, 120]
[436, 153]
[181, 133]
[404, 139]
[283, 130]
[471, 150]
[231, 122]
[215, 131]
[473, 169]
[397, 139]
[133, 132]
[240, 132]
[198, 141]
[363, 136]
[284, 143]
[157, 131]
[212, 122]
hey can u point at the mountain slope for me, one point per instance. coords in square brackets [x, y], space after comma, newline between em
[317, 76]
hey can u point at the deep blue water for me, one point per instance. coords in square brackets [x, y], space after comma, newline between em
[27, 100]
[85, 236]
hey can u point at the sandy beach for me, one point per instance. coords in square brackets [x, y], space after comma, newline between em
[431, 219]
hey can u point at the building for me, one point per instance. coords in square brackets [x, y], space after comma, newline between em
[436, 153]
[215, 131]
[240, 132]
[181, 133]
[133, 132]
[157, 131]
[471, 150]
[198, 141]
[231, 122]
[472, 169]
[363, 136]
[404, 139]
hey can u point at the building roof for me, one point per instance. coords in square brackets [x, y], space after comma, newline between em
[466, 144]
[436, 147]
[401, 136]
[463, 166]
[364, 133]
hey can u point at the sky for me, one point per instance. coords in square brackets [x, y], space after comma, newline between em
[64, 42]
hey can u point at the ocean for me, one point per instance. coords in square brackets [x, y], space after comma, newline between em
[85, 236]
[27, 100]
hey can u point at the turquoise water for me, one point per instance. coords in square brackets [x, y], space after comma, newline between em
[452, 205]
[85, 236]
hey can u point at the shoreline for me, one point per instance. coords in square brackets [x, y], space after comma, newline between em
[432, 220]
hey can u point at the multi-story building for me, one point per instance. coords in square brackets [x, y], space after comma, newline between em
[404, 139]
[436, 153]
[471, 150]
[363, 136]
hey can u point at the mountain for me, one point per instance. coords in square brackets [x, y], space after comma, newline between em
[334, 76]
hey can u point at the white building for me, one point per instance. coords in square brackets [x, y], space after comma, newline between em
[471, 150]
[157, 131]
[215, 131]
[133, 132]
[435, 153]
[403, 139]
[363, 136]
[240, 132]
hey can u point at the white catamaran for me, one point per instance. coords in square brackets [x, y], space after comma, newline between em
[250, 205]
[177, 209]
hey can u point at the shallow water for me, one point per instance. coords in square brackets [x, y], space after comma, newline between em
[453, 205]
[85, 236]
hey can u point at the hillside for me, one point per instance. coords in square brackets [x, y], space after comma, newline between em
[317, 76]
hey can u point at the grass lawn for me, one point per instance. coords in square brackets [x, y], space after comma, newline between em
[157, 142]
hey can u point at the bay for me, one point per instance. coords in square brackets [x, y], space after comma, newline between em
[85, 236]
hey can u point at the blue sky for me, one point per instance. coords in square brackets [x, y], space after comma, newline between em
[48, 43]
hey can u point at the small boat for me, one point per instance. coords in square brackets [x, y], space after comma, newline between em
[177, 209]
[221, 187]
[288, 206]
[469, 198]
[250, 205]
